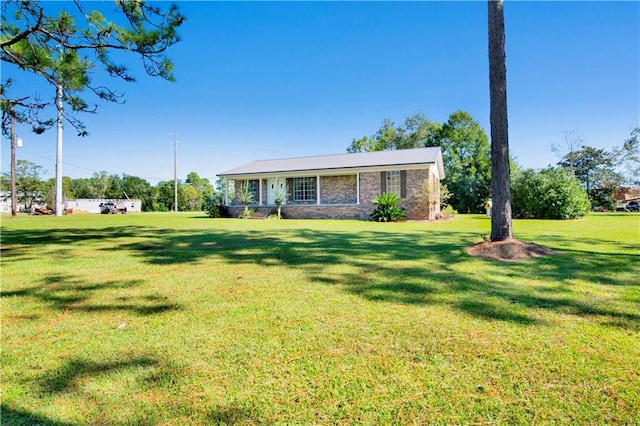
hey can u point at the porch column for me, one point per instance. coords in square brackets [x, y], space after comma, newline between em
[260, 191]
[318, 189]
[358, 188]
[226, 192]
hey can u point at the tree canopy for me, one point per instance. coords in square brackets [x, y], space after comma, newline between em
[595, 169]
[467, 161]
[33, 191]
[465, 152]
[29, 186]
[64, 47]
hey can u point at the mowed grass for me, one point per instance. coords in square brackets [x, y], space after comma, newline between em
[179, 319]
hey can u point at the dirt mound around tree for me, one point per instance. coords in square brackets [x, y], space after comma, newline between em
[509, 251]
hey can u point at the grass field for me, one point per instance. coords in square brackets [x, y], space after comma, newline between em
[179, 319]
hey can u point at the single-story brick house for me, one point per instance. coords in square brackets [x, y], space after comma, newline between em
[341, 186]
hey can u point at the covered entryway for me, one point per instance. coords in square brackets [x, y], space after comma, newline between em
[273, 185]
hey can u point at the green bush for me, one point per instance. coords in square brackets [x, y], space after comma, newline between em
[217, 210]
[446, 213]
[387, 209]
[551, 193]
[246, 214]
[213, 206]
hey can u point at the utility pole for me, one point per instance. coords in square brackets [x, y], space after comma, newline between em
[14, 196]
[59, 106]
[175, 171]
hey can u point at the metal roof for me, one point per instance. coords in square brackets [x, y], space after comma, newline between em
[401, 157]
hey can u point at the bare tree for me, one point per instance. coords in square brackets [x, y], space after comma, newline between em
[501, 229]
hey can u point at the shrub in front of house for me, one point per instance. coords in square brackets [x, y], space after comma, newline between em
[216, 210]
[446, 213]
[246, 214]
[387, 208]
[552, 193]
[213, 206]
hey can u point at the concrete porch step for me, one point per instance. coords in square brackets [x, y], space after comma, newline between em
[262, 212]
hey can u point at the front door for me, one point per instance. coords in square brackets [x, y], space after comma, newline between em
[273, 185]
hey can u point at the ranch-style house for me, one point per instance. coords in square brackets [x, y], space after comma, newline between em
[341, 186]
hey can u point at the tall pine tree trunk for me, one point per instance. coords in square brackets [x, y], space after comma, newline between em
[500, 184]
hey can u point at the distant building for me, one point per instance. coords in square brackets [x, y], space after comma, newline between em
[94, 205]
[5, 203]
[625, 194]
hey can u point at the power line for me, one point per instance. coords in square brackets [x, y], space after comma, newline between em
[94, 170]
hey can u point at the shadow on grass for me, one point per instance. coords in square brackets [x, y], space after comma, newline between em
[66, 377]
[66, 292]
[231, 415]
[20, 417]
[412, 267]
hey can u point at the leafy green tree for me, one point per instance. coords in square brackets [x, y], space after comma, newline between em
[50, 190]
[30, 189]
[137, 188]
[466, 158]
[193, 199]
[127, 186]
[197, 189]
[56, 45]
[552, 193]
[595, 169]
[100, 184]
[80, 188]
[465, 152]
[165, 198]
[416, 132]
[115, 187]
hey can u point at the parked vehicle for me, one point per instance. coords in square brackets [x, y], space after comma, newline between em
[111, 208]
[633, 206]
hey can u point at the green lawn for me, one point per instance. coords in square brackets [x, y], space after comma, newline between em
[179, 319]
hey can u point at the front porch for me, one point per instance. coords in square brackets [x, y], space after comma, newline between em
[343, 190]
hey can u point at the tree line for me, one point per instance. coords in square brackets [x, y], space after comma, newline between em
[32, 190]
[587, 176]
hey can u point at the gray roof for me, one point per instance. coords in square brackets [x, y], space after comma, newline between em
[402, 157]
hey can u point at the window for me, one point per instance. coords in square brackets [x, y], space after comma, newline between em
[253, 188]
[304, 189]
[394, 182]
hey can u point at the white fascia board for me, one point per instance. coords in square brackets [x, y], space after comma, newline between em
[329, 172]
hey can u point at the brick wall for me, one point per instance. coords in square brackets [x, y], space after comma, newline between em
[342, 190]
[338, 189]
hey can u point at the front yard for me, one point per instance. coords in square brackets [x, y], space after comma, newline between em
[180, 319]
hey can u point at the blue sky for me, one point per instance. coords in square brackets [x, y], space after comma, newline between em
[259, 80]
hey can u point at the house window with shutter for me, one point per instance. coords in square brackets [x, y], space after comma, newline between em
[304, 189]
[394, 182]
